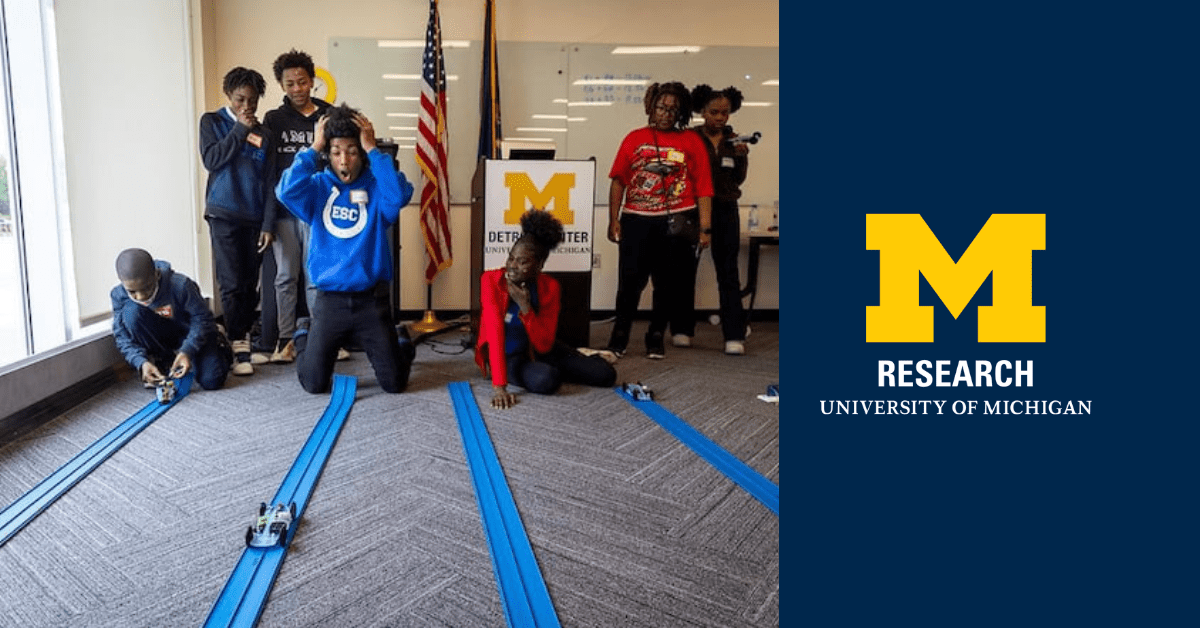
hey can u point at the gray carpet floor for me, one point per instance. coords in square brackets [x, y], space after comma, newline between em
[629, 527]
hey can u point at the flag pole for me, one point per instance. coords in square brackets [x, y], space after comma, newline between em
[431, 158]
[430, 324]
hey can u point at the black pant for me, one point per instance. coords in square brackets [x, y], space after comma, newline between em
[364, 319]
[561, 364]
[236, 261]
[648, 253]
[726, 239]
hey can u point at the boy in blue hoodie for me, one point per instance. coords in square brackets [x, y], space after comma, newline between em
[235, 149]
[163, 326]
[349, 207]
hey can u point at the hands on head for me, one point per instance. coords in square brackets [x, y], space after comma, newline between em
[319, 134]
[366, 133]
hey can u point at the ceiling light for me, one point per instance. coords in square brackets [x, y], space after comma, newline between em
[420, 43]
[413, 77]
[654, 50]
[611, 82]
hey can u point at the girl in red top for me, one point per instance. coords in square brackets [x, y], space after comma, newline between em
[660, 172]
[519, 320]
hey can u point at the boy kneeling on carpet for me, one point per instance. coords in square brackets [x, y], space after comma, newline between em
[349, 207]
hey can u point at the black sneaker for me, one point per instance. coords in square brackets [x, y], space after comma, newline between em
[617, 343]
[655, 347]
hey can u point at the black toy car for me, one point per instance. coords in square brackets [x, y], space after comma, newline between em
[271, 525]
[639, 391]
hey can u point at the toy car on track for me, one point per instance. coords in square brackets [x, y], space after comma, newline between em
[271, 525]
[639, 391]
[165, 391]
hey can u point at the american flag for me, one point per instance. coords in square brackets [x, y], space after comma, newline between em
[431, 151]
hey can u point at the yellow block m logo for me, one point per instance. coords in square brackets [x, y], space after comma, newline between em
[1003, 248]
[558, 189]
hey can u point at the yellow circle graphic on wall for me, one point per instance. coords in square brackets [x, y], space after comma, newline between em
[324, 87]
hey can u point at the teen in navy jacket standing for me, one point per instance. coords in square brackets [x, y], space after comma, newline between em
[234, 147]
[349, 207]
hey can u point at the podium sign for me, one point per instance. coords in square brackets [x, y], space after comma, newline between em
[566, 189]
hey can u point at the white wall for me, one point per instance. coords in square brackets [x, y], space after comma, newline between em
[129, 132]
[252, 33]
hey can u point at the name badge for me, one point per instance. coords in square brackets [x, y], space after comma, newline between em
[255, 139]
[358, 196]
[508, 317]
[727, 162]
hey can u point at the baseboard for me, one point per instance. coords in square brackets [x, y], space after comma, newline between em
[16, 425]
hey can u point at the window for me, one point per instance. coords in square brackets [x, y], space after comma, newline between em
[34, 263]
[14, 328]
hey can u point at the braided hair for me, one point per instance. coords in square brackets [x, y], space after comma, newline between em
[681, 94]
[541, 232]
[703, 94]
[244, 77]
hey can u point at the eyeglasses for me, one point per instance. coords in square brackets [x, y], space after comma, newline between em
[670, 110]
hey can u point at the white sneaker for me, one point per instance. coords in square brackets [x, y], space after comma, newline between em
[681, 340]
[735, 347]
[242, 368]
[241, 358]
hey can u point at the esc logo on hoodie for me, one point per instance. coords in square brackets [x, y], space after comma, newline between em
[346, 222]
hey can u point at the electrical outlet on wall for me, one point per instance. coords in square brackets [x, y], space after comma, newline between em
[595, 260]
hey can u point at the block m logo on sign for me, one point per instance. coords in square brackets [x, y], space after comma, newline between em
[1003, 248]
[558, 189]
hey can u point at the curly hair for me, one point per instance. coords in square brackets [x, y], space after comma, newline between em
[294, 59]
[541, 231]
[681, 94]
[341, 123]
[703, 94]
[244, 77]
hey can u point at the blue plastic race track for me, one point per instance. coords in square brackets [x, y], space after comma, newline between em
[753, 482]
[245, 594]
[38, 498]
[523, 592]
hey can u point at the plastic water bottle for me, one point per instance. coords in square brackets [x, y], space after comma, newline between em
[752, 221]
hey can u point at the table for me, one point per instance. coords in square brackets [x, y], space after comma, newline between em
[757, 240]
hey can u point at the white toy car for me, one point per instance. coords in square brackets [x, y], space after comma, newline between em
[271, 525]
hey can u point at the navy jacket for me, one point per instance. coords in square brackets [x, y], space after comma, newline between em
[238, 164]
[178, 300]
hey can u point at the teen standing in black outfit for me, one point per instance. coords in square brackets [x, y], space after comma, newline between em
[729, 164]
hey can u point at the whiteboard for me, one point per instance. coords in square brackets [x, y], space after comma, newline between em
[541, 78]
